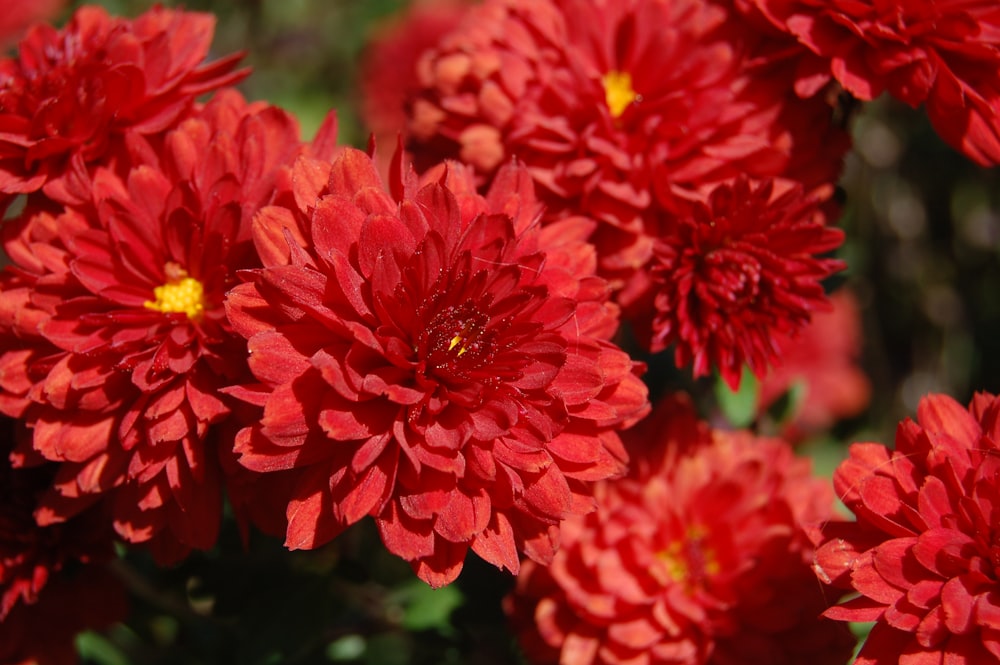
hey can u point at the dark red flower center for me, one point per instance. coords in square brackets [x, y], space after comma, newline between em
[732, 277]
[458, 339]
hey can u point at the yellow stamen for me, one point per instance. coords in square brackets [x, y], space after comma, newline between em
[181, 294]
[462, 338]
[689, 561]
[671, 558]
[618, 92]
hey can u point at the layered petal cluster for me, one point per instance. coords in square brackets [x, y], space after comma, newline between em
[120, 342]
[819, 369]
[618, 109]
[733, 274]
[700, 555]
[51, 582]
[945, 55]
[70, 96]
[432, 358]
[923, 553]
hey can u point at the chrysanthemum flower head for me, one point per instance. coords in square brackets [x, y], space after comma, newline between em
[122, 341]
[435, 359]
[618, 109]
[945, 55]
[734, 271]
[70, 95]
[923, 553]
[700, 555]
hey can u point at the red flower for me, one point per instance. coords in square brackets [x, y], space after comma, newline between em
[46, 595]
[122, 340]
[945, 55]
[822, 362]
[71, 95]
[434, 359]
[699, 556]
[618, 109]
[735, 273]
[923, 553]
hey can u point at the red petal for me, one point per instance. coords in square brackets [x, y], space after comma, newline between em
[310, 511]
[496, 544]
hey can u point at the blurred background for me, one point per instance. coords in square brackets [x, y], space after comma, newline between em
[923, 238]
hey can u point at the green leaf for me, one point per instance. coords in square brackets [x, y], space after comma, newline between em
[785, 408]
[425, 608]
[97, 648]
[739, 407]
[348, 647]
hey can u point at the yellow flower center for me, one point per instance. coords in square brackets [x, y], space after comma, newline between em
[689, 561]
[464, 338]
[181, 293]
[618, 92]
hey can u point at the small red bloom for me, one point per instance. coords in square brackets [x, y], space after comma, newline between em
[17, 15]
[924, 553]
[735, 273]
[44, 632]
[435, 359]
[70, 96]
[51, 582]
[945, 55]
[822, 361]
[121, 340]
[619, 110]
[699, 556]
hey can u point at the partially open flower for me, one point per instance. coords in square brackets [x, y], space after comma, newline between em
[435, 359]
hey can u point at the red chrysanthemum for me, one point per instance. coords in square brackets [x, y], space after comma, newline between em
[924, 553]
[17, 15]
[734, 273]
[121, 340]
[51, 582]
[944, 54]
[819, 368]
[618, 109]
[699, 556]
[435, 359]
[70, 96]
